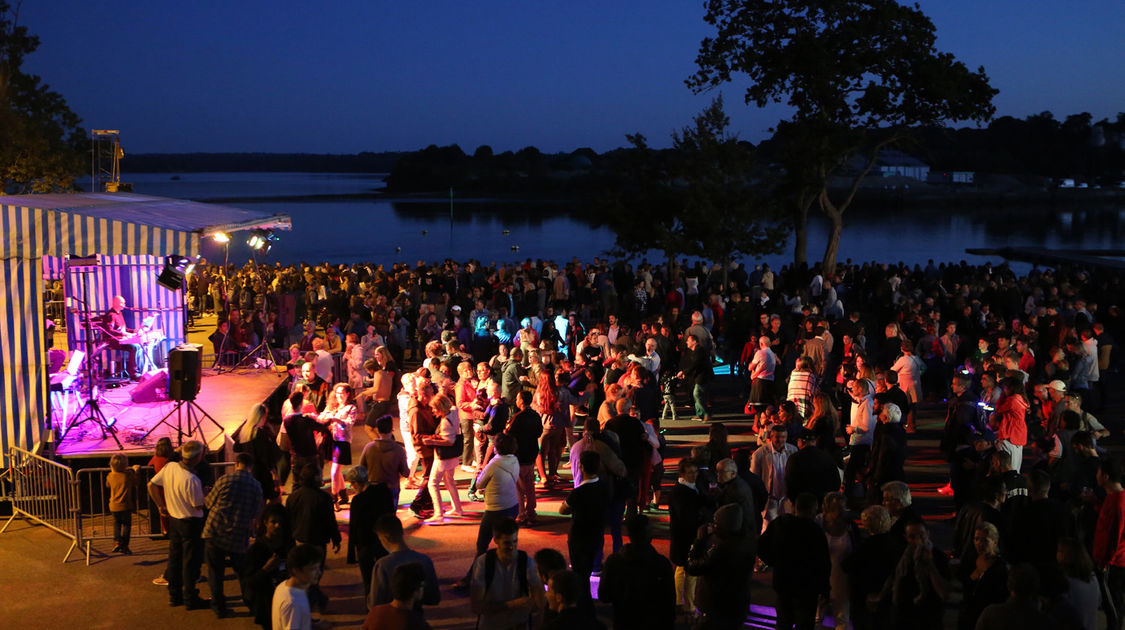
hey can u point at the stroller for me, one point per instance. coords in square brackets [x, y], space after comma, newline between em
[668, 385]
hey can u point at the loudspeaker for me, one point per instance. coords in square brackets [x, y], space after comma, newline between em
[185, 371]
[153, 387]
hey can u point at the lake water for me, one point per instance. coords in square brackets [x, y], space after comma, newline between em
[329, 226]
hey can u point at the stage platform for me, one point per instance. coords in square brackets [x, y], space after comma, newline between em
[225, 397]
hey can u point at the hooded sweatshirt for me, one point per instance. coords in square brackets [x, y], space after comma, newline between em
[385, 461]
[498, 481]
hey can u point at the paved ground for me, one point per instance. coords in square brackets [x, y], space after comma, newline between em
[40, 591]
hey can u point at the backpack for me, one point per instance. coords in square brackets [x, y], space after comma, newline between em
[490, 569]
[490, 572]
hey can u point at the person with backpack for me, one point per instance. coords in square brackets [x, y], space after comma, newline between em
[498, 479]
[505, 587]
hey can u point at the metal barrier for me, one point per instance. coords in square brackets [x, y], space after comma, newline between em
[95, 519]
[76, 503]
[43, 492]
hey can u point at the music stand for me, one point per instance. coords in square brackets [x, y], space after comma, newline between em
[91, 410]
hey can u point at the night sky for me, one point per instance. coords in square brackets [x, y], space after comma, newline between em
[343, 77]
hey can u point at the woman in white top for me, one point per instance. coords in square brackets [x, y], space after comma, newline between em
[447, 455]
[909, 368]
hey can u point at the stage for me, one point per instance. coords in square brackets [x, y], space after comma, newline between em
[225, 397]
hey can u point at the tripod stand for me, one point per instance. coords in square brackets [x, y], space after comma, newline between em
[194, 414]
[263, 351]
[91, 411]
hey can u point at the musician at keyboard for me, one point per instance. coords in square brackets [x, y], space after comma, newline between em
[121, 338]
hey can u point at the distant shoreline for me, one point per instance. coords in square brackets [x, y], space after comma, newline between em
[912, 198]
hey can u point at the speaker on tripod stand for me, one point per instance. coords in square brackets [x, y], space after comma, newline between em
[185, 375]
[185, 371]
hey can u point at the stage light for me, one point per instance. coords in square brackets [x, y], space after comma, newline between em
[261, 240]
[175, 267]
[221, 237]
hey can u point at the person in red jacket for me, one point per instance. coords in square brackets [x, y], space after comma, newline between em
[1009, 420]
[1109, 539]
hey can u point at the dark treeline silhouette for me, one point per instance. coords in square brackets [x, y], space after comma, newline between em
[1075, 147]
[366, 162]
[1040, 145]
[524, 172]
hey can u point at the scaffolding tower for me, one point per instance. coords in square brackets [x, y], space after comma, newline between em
[105, 161]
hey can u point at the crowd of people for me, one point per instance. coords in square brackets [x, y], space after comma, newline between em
[518, 372]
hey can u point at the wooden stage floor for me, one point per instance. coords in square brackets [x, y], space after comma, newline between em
[225, 397]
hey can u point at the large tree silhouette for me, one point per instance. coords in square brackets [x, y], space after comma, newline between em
[857, 75]
[42, 147]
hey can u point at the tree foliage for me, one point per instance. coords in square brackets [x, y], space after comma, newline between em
[42, 147]
[696, 198]
[847, 68]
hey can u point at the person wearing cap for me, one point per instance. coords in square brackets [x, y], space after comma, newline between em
[1054, 407]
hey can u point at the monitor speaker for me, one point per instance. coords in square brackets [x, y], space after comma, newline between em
[153, 387]
[185, 371]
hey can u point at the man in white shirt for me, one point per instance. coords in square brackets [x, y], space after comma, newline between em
[650, 360]
[768, 462]
[178, 495]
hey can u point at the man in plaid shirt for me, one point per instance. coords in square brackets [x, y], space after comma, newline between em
[233, 505]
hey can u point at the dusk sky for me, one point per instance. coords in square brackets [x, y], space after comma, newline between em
[349, 76]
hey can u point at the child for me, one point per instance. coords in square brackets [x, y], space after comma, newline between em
[122, 483]
[290, 609]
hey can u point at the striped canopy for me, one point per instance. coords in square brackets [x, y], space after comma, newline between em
[129, 234]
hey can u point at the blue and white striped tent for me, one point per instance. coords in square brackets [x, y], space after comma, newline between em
[129, 234]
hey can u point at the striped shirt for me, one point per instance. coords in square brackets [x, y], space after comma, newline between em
[802, 387]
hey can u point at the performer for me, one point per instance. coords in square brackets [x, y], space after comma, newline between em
[113, 324]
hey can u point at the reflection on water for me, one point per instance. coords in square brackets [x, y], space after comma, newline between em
[346, 230]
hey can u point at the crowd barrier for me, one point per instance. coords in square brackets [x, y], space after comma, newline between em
[76, 503]
[95, 519]
[43, 492]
